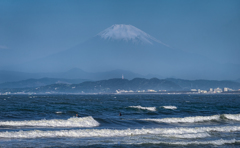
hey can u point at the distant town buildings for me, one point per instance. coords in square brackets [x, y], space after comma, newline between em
[225, 89]
[217, 90]
[211, 90]
[192, 91]
[151, 90]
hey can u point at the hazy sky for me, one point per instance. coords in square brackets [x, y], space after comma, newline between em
[31, 29]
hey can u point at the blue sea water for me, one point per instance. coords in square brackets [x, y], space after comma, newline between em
[146, 121]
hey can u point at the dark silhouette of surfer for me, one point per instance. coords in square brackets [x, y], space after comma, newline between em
[77, 115]
[120, 114]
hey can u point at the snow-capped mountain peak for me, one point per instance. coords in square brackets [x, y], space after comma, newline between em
[127, 33]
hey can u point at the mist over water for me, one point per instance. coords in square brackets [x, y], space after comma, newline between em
[146, 121]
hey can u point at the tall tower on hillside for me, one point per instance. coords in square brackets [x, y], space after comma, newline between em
[122, 76]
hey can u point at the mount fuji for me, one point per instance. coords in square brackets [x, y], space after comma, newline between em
[129, 48]
[127, 33]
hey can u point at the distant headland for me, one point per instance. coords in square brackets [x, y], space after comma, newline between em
[125, 86]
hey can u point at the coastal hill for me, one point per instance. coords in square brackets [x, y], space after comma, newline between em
[40, 82]
[205, 84]
[111, 85]
[103, 86]
[121, 85]
[74, 73]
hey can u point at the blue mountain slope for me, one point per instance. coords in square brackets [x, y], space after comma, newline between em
[126, 47]
[74, 73]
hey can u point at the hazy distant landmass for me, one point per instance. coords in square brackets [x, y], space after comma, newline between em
[238, 80]
[129, 48]
[11, 79]
[204, 84]
[39, 82]
[75, 73]
[117, 84]
[107, 86]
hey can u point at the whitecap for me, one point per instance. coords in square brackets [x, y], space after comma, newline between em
[197, 132]
[144, 108]
[188, 136]
[212, 142]
[58, 112]
[232, 116]
[169, 107]
[71, 122]
[185, 119]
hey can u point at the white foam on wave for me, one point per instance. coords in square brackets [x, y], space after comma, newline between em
[185, 119]
[232, 116]
[182, 132]
[212, 142]
[188, 136]
[144, 108]
[71, 122]
[94, 133]
[169, 107]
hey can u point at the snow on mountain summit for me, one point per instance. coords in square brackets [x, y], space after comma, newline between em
[127, 33]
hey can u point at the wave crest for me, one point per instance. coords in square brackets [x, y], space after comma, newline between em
[232, 116]
[169, 107]
[197, 132]
[186, 119]
[144, 108]
[212, 142]
[71, 122]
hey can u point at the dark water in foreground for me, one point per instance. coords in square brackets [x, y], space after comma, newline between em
[146, 121]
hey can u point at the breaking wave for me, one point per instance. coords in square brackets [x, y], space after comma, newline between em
[212, 142]
[144, 108]
[181, 132]
[232, 116]
[58, 112]
[235, 117]
[71, 122]
[169, 107]
[185, 119]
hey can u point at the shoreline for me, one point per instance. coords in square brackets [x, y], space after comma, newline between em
[133, 93]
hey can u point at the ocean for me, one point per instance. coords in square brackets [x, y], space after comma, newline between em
[148, 120]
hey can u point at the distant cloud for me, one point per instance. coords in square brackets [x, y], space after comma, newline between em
[3, 47]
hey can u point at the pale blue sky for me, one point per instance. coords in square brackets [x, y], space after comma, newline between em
[31, 29]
